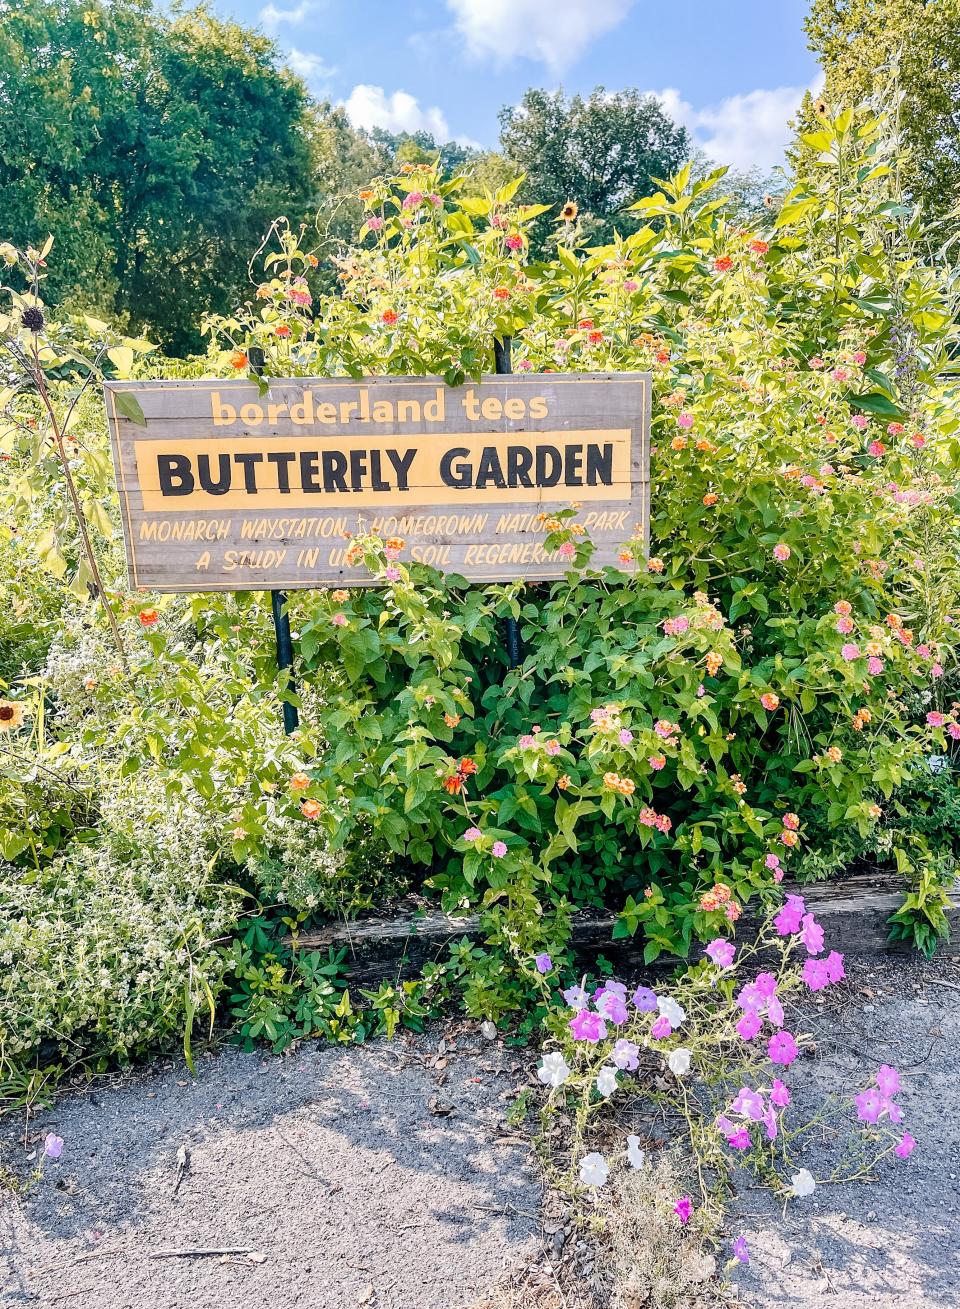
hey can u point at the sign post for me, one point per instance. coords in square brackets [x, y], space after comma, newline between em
[502, 363]
[225, 488]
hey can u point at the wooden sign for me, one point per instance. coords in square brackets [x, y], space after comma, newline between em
[223, 488]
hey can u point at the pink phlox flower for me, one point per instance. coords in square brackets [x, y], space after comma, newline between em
[815, 974]
[749, 1025]
[683, 1209]
[626, 1055]
[770, 1123]
[775, 1011]
[782, 1048]
[611, 1006]
[905, 1146]
[766, 984]
[870, 1106]
[588, 1026]
[834, 962]
[661, 1028]
[811, 934]
[894, 1110]
[790, 917]
[888, 1080]
[740, 1139]
[748, 1104]
[779, 1093]
[721, 952]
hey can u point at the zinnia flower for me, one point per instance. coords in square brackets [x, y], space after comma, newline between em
[11, 715]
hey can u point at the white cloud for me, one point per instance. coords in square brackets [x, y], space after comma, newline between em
[370, 106]
[271, 17]
[554, 32]
[742, 130]
[312, 68]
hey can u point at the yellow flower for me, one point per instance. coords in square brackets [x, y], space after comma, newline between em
[569, 211]
[11, 715]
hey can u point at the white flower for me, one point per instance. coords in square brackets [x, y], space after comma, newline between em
[636, 1157]
[554, 1070]
[594, 1169]
[607, 1080]
[802, 1183]
[679, 1061]
[671, 1011]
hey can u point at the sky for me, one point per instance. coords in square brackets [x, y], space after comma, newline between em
[733, 72]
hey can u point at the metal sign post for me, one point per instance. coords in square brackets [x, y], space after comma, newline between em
[502, 363]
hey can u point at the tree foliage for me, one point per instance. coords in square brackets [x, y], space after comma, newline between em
[155, 150]
[600, 152]
[869, 46]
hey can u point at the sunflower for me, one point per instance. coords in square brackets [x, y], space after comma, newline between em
[11, 715]
[569, 211]
[820, 107]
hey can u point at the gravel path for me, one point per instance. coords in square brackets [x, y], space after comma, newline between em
[370, 1176]
[894, 1243]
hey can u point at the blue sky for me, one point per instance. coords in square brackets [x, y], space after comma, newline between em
[733, 72]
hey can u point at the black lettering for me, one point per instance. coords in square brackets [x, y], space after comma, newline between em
[519, 463]
[170, 467]
[283, 460]
[222, 485]
[574, 473]
[401, 464]
[489, 469]
[551, 478]
[462, 475]
[247, 462]
[309, 470]
[334, 469]
[376, 482]
[600, 465]
[358, 468]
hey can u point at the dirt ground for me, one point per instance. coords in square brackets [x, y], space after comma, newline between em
[387, 1176]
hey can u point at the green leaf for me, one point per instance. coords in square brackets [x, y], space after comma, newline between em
[129, 407]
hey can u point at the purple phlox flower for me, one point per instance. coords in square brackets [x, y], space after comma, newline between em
[779, 1093]
[543, 962]
[614, 988]
[869, 1106]
[782, 1048]
[888, 1080]
[775, 1011]
[52, 1146]
[770, 1123]
[750, 1024]
[834, 962]
[811, 934]
[645, 1000]
[905, 1146]
[749, 998]
[766, 985]
[588, 1026]
[816, 974]
[741, 1251]
[611, 1006]
[790, 917]
[725, 1125]
[739, 1140]
[661, 1028]
[748, 1103]
[683, 1209]
[576, 997]
[721, 952]
[625, 1055]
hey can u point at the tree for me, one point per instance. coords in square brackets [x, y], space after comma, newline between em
[871, 47]
[601, 153]
[155, 150]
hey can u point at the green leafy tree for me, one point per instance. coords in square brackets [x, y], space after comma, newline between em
[156, 151]
[599, 153]
[869, 46]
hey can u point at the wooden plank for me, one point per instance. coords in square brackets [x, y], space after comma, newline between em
[853, 911]
[223, 488]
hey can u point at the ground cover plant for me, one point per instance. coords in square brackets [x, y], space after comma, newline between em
[757, 696]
